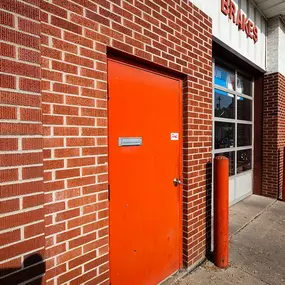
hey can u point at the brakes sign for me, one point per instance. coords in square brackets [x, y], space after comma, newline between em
[230, 9]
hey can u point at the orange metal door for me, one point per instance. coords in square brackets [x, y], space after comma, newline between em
[145, 205]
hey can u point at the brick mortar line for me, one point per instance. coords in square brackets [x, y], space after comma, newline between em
[74, 136]
[16, 29]
[18, 77]
[21, 227]
[21, 168]
[76, 95]
[16, 242]
[77, 247]
[21, 181]
[21, 211]
[20, 107]
[36, 136]
[76, 65]
[75, 106]
[19, 91]
[77, 276]
[16, 59]
[20, 151]
[83, 225]
[54, 214]
[22, 92]
[86, 271]
[77, 207]
[74, 208]
[21, 196]
[83, 272]
[79, 195]
[29, 4]
[13, 121]
[71, 73]
[67, 230]
[72, 43]
[74, 238]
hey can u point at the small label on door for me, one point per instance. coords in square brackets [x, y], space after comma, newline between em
[174, 136]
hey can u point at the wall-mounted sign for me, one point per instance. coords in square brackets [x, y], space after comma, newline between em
[174, 136]
[230, 9]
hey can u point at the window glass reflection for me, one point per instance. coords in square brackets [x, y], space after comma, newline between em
[224, 135]
[224, 104]
[243, 160]
[224, 77]
[244, 135]
[244, 109]
[231, 157]
[243, 85]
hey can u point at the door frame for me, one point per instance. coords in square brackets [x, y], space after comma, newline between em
[149, 67]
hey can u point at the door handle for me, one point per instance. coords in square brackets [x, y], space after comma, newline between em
[176, 182]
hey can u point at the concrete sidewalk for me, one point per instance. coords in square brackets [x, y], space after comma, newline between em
[257, 247]
[246, 211]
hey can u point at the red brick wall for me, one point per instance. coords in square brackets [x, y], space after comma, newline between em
[281, 126]
[75, 36]
[21, 161]
[273, 133]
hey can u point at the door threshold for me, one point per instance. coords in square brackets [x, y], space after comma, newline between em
[181, 273]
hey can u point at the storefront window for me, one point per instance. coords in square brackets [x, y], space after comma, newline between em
[233, 124]
[244, 109]
[224, 104]
[244, 135]
[224, 135]
[224, 77]
[231, 157]
[243, 160]
[243, 85]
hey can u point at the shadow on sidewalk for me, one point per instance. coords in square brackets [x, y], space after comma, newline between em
[32, 267]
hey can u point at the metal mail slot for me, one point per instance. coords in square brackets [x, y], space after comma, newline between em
[130, 141]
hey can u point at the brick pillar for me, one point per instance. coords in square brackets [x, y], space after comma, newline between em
[281, 125]
[273, 132]
[21, 179]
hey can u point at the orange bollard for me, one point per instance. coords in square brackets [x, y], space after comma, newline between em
[221, 211]
[283, 188]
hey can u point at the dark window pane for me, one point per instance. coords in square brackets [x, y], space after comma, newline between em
[224, 135]
[224, 77]
[243, 85]
[244, 135]
[231, 157]
[224, 104]
[243, 160]
[244, 109]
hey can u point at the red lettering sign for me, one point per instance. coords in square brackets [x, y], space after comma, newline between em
[229, 8]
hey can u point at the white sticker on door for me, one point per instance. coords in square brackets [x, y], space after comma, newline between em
[174, 136]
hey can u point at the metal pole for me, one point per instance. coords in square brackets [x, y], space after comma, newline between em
[221, 211]
[283, 186]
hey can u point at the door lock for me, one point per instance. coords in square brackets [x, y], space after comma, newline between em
[176, 182]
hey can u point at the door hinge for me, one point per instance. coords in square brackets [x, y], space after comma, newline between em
[108, 93]
[109, 192]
